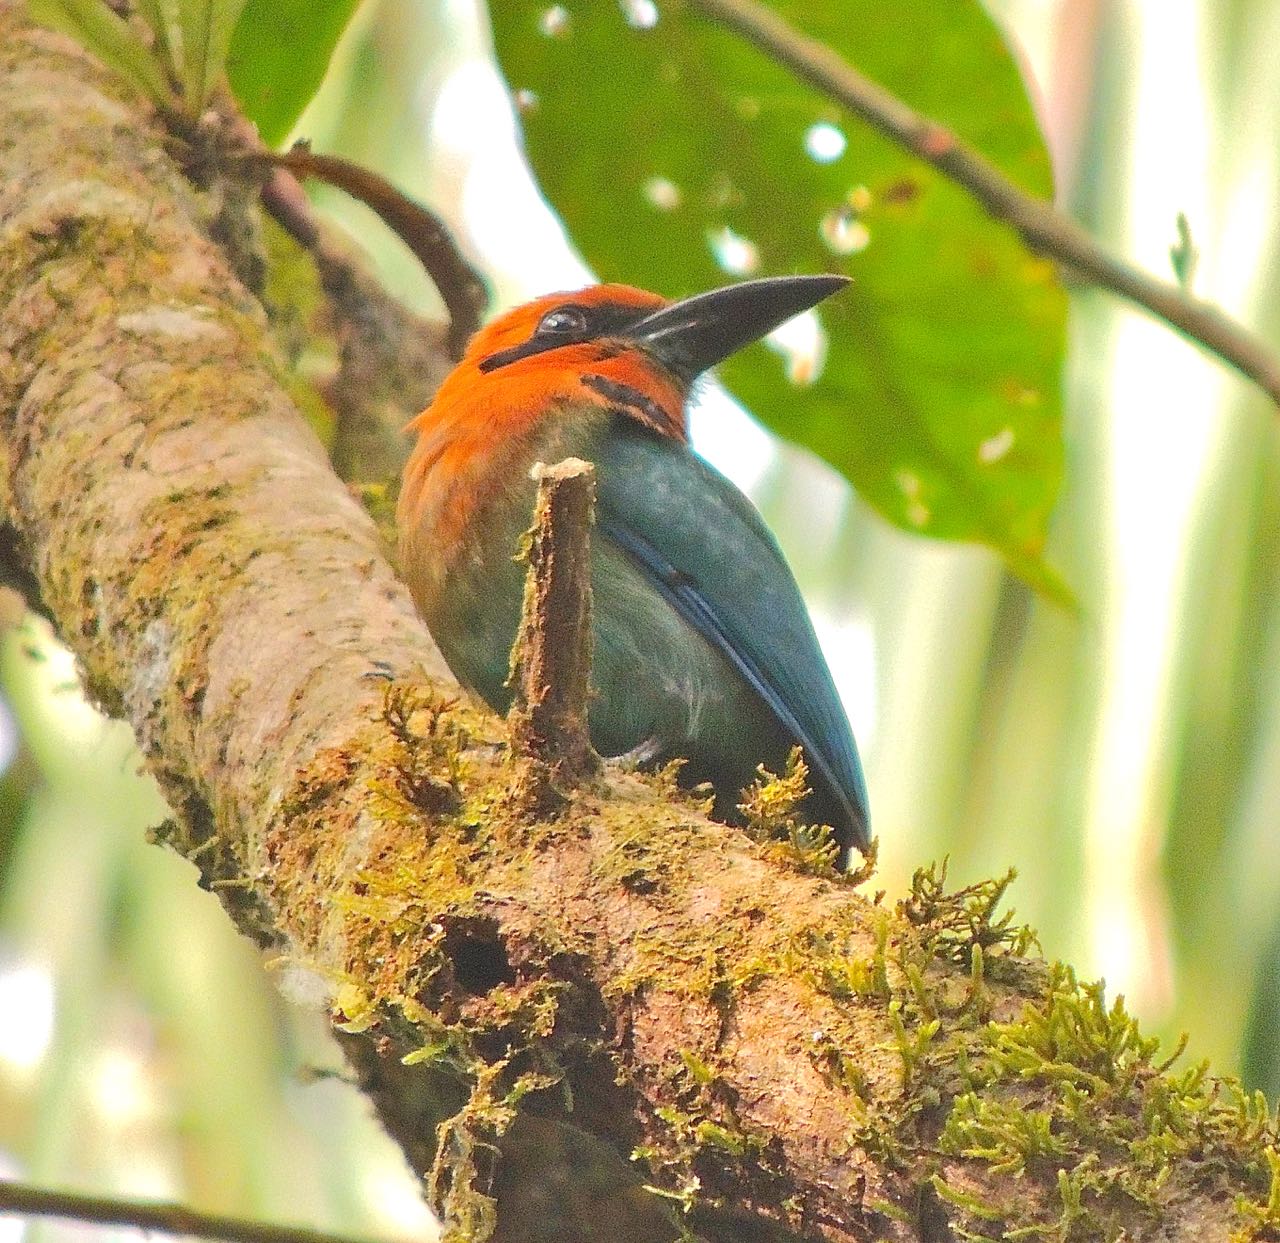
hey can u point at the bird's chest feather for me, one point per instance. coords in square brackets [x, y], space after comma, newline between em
[469, 504]
[651, 674]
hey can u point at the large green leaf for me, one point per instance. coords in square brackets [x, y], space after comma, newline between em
[279, 53]
[939, 398]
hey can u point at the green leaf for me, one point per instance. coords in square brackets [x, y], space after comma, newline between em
[160, 16]
[206, 35]
[659, 141]
[108, 37]
[279, 53]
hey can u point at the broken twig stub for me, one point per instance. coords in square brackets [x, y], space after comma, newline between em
[551, 660]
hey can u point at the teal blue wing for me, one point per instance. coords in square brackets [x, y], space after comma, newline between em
[704, 547]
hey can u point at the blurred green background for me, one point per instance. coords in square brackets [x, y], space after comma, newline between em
[1124, 757]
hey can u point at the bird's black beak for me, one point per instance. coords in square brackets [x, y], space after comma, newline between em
[688, 337]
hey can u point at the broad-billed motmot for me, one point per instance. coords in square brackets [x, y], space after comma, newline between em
[703, 649]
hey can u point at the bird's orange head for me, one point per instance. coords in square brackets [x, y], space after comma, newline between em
[557, 350]
[608, 348]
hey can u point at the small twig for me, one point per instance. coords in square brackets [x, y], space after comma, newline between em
[1043, 228]
[551, 659]
[460, 286]
[28, 1201]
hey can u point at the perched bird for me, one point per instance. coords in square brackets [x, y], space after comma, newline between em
[703, 648]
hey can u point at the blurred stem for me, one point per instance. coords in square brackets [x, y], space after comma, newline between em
[1042, 226]
[31, 1201]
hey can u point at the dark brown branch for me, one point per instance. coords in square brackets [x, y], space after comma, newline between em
[28, 1201]
[551, 660]
[460, 285]
[1045, 229]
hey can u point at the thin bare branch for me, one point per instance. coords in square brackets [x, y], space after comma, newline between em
[27, 1201]
[1042, 226]
[460, 286]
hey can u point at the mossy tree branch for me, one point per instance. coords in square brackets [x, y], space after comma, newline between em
[623, 1023]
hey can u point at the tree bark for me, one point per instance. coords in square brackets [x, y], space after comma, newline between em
[623, 1022]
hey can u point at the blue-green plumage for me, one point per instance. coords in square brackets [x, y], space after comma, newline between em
[706, 551]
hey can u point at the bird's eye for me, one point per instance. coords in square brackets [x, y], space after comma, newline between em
[562, 321]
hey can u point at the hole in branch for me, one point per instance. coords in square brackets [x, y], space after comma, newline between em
[479, 961]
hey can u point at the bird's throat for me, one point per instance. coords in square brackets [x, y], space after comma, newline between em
[471, 496]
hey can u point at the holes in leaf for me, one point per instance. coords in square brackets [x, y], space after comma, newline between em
[802, 342]
[824, 142]
[555, 22]
[737, 255]
[640, 14]
[843, 232]
[912, 488]
[995, 447]
[662, 193]
[843, 228]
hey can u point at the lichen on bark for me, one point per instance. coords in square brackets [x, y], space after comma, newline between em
[626, 1021]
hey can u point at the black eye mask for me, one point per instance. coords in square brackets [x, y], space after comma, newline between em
[580, 323]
